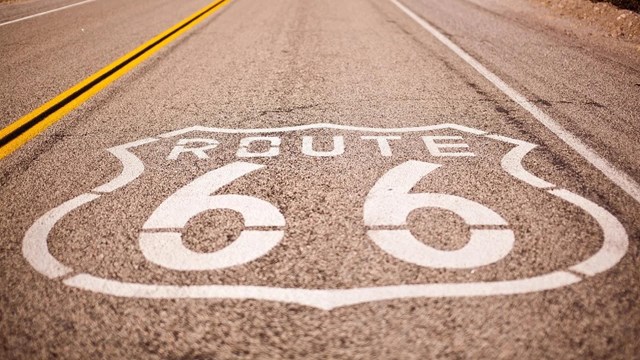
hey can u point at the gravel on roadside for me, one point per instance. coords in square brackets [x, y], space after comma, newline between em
[615, 22]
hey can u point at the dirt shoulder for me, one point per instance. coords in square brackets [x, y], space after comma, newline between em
[613, 21]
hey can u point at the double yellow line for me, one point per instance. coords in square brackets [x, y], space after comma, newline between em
[30, 125]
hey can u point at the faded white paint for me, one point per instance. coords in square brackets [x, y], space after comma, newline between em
[132, 167]
[436, 147]
[338, 147]
[166, 248]
[618, 177]
[383, 143]
[389, 204]
[245, 144]
[46, 12]
[199, 151]
[325, 299]
[35, 248]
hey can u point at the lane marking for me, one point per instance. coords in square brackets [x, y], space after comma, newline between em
[27, 127]
[618, 177]
[45, 12]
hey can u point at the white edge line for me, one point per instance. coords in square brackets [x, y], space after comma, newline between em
[618, 177]
[45, 12]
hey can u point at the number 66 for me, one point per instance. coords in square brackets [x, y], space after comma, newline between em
[388, 204]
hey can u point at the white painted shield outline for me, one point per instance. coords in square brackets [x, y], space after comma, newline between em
[614, 246]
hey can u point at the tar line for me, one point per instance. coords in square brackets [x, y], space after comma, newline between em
[46, 12]
[618, 177]
[30, 125]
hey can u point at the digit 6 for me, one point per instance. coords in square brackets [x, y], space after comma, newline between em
[389, 204]
[165, 248]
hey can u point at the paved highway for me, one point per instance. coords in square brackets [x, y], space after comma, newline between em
[316, 179]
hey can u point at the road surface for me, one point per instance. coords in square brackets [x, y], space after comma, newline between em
[319, 179]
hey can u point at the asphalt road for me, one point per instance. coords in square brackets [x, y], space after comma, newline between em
[321, 179]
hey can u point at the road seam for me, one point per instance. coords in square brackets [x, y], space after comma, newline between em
[22, 130]
[618, 177]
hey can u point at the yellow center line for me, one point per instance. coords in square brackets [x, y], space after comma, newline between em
[24, 129]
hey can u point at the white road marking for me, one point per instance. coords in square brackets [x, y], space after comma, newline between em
[434, 147]
[46, 12]
[274, 146]
[485, 246]
[338, 147]
[390, 202]
[325, 299]
[383, 143]
[132, 167]
[166, 248]
[618, 177]
[322, 126]
[614, 246]
[34, 246]
[199, 152]
[616, 240]
[271, 146]
[512, 162]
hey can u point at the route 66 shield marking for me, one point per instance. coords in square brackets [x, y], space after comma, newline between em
[407, 160]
